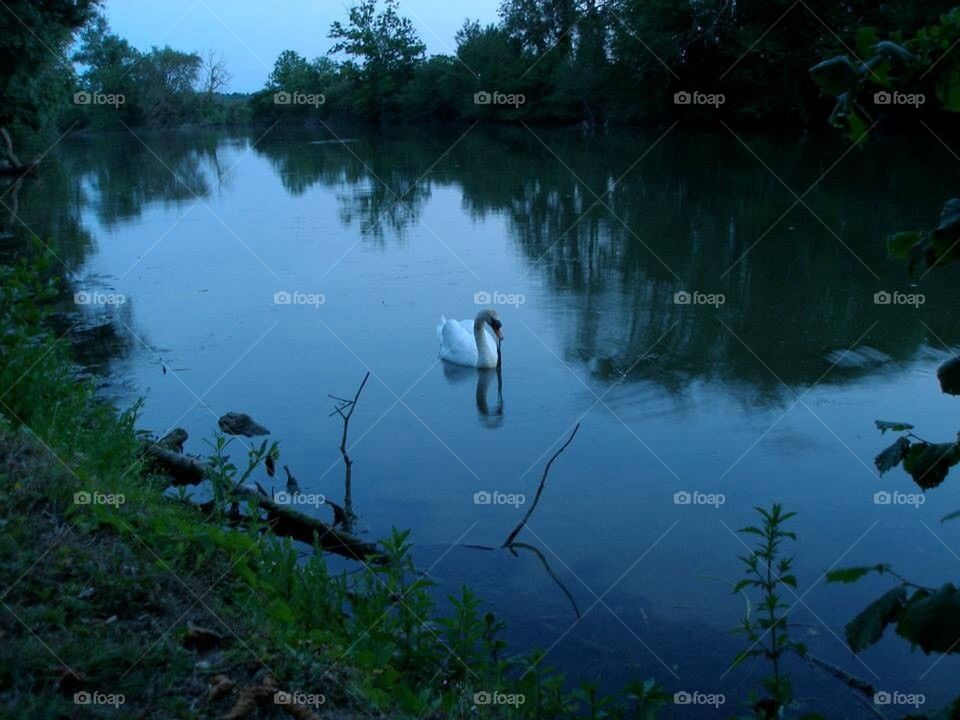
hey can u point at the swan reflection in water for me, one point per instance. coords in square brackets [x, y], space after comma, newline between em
[489, 416]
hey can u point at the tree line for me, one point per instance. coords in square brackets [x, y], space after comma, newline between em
[594, 61]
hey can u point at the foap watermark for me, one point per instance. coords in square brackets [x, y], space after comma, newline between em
[98, 698]
[299, 698]
[696, 697]
[499, 298]
[299, 98]
[498, 498]
[83, 97]
[696, 97]
[885, 697]
[696, 497]
[883, 97]
[485, 697]
[98, 498]
[309, 499]
[696, 297]
[883, 297]
[898, 498]
[498, 98]
[296, 297]
[86, 297]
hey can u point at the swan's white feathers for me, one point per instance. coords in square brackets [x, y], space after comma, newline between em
[459, 346]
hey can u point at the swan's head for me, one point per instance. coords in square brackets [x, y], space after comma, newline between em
[490, 317]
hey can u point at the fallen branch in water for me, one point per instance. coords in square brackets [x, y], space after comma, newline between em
[543, 482]
[862, 687]
[283, 520]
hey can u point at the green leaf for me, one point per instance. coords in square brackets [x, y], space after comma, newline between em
[947, 84]
[280, 611]
[852, 574]
[900, 245]
[892, 456]
[932, 621]
[789, 580]
[858, 127]
[867, 627]
[743, 655]
[866, 40]
[929, 464]
[885, 425]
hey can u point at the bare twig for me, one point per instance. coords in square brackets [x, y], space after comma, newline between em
[343, 405]
[543, 482]
[862, 690]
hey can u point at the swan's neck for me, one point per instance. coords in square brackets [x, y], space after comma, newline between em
[485, 356]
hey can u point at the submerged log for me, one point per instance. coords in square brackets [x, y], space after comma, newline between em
[174, 440]
[283, 520]
[288, 522]
[182, 469]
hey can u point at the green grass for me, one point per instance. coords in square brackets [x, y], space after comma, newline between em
[148, 599]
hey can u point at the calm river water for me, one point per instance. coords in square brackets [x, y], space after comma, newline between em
[585, 244]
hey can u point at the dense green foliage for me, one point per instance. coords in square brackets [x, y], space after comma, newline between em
[897, 73]
[613, 61]
[556, 61]
[119, 84]
[62, 69]
[35, 78]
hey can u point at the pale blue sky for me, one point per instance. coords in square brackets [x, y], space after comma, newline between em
[252, 33]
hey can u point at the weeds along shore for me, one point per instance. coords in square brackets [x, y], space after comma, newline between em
[120, 597]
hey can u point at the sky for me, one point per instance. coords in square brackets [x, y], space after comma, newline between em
[250, 34]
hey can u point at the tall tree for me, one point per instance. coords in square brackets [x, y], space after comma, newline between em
[384, 50]
[34, 73]
[214, 75]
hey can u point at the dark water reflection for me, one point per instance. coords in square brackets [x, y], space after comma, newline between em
[596, 234]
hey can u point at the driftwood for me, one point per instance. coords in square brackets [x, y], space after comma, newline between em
[174, 440]
[864, 688]
[861, 689]
[283, 520]
[182, 469]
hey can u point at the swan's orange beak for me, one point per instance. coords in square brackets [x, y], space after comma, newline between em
[497, 329]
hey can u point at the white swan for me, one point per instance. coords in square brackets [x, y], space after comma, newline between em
[461, 347]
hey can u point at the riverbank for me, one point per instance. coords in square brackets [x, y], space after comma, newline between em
[128, 601]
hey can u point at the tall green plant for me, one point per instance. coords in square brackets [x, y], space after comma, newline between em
[767, 571]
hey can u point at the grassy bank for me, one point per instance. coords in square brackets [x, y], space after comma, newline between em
[121, 600]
